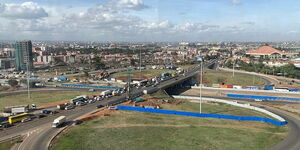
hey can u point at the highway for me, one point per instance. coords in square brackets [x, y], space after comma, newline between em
[38, 132]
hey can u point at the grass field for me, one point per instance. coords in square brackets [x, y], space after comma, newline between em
[217, 77]
[39, 98]
[9, 144]
[6, 145]
[135, 131]
[147, 73]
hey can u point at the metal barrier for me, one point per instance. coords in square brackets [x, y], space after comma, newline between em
[202, 115]
[262, 97]
[89, 86]
[234, 103]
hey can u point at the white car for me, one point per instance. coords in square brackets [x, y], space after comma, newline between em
[26, 120]
[258, 100]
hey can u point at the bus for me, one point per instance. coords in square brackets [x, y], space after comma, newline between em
[18, 118]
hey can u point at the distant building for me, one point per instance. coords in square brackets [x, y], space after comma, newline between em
[266, 52]
[6, 63]
[24, 57]
[44, 59]
[296, 62]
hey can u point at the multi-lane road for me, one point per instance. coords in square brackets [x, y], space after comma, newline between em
[38, 132]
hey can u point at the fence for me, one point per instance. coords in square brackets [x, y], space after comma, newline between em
[202, 115]
[262, 97]
[88, 86]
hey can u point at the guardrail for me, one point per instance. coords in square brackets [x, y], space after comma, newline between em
[295, 92]
[88, 86]
[262, 97]
[248, 106]
[202, 115]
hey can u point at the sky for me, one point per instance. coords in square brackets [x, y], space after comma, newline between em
[150, 20]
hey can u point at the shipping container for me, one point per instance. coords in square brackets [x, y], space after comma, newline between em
[226, 86]
[237, 87]
[268, 87]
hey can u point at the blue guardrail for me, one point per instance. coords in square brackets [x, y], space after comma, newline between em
[262, 97]
[202, 115]
[89, 86]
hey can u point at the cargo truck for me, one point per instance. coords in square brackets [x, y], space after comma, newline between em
[59, 121]
[61, 106]
[106, 93]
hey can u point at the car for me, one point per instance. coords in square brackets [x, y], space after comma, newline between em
[76, 122]
[26, 120]
[258, 100]
[45, 111]
[99, 106]
[91, 90]
[92, 101]
[81, 103]
[41, 116]
[6, 125]
[69, 107]
[53, 112]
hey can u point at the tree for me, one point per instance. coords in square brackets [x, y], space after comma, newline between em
[13, 82]
[132, 62]
[97, 63]
[86, 73]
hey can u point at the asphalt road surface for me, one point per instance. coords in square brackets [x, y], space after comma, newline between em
[39, 133]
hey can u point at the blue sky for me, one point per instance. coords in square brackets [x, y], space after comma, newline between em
[150, 20]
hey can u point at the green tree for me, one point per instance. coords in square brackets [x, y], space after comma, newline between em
[97, 63]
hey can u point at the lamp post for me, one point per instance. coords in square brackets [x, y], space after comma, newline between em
[140, 64]
[233, 69]
[200, 58]
[201, 80]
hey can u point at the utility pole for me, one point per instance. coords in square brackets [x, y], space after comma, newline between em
[233, 69]
[201, 78]
[140, 64]
[128, 83]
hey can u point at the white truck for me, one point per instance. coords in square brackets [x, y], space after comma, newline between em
[106, 93]
[59, 121]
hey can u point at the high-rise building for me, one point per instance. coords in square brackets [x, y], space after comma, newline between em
[24, 56]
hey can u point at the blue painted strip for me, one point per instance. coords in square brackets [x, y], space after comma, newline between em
[90, 86]
[202, 115]
[262, 97]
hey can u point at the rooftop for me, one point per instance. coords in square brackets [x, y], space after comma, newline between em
[265, 50]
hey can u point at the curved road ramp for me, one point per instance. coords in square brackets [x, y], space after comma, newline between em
[202, 115]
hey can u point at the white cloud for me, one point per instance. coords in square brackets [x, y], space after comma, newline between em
[26, 10]
[294, 32]
[235, 2]
[111, 21]
[131, 4]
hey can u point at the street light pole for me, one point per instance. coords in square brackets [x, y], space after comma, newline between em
[140, 64]
[233, 69]
[201, 78]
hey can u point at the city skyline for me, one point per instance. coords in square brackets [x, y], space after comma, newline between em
[150, 21]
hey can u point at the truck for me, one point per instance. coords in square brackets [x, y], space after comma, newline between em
[106, 93]
[59, 121]
[165, 74]
[78, 98]
[61, 106]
